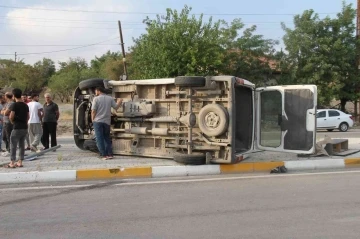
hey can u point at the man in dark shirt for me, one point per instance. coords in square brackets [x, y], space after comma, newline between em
[50, 118]
[19, 116]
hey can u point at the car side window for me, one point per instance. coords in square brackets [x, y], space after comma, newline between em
[321, 114]
[333, 113]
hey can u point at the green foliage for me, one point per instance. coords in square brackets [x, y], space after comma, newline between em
[64, 81]
[7, 71]
[251, 56]
[109, 66]
[323, 52]
[182, 44]
[26, 77]
[178, 44]
[46, 67]
[319, 51]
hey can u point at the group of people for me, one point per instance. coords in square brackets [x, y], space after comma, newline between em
[23, 119]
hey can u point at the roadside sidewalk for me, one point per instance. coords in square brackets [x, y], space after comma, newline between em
[71, 164]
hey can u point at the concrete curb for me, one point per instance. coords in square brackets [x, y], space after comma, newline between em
[172, 171]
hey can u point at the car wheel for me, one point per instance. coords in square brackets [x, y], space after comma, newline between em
[190, 81]
[90, 145]
[91, 83]
[79, 142]
[343, 127]
[330, 130]
[213, 120]
[191, 159]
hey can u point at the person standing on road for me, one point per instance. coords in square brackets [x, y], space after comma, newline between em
[101, 118]
[2, 105]
[50, 119]
[25, 99]
[7, 127]
[19, 117]
[35, 129]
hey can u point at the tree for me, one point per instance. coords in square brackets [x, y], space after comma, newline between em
[46, 67]
[20, 75]
[251, 56]
[178, 44]
[7, 69]
[27, 78]
[323, 52]
[64, 82]
[182, 44]
[109, 66]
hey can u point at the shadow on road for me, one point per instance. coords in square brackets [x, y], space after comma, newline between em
[63, 192]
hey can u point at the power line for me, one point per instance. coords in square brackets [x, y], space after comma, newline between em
[68, 20]
[36, 25]
[154, 13]
[111, 21]
[69, 49]
[109, 28]
[2, 45]
[101, 28]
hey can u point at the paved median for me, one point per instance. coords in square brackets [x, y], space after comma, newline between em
[172, 171]
[71, 164]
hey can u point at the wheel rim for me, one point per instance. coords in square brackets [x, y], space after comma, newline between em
[212, 120]
[344, 127]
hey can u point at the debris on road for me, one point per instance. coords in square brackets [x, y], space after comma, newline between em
[281, 169]
[35, 155]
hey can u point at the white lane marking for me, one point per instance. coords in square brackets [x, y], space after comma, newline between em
[181, 180]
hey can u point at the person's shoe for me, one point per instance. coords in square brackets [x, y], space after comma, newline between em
[28, 148]
[110, 157]
[33, 148]
[103, 157]
[5, 154]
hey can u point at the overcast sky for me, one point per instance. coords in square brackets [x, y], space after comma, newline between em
[26, 31]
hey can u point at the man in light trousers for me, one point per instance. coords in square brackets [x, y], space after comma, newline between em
[35, 129]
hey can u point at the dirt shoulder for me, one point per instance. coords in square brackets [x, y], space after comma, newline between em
[65, 123]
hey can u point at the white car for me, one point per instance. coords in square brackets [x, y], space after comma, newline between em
[330, 119]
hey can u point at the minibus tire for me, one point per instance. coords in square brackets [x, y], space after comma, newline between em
[91, 146]
[91, 83]
[190, 159]
[190, 81]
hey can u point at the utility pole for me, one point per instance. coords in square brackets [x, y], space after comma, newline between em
[16, 54]
[358, 51]
[124, 77]
[358, 19]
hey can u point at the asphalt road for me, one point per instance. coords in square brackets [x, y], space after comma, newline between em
[352, 133]
[318, 205]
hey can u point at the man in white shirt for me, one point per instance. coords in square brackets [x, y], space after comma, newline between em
[35, 129]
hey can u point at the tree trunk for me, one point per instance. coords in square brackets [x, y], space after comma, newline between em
[356, 110]
[62, 97]
[342, 104]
